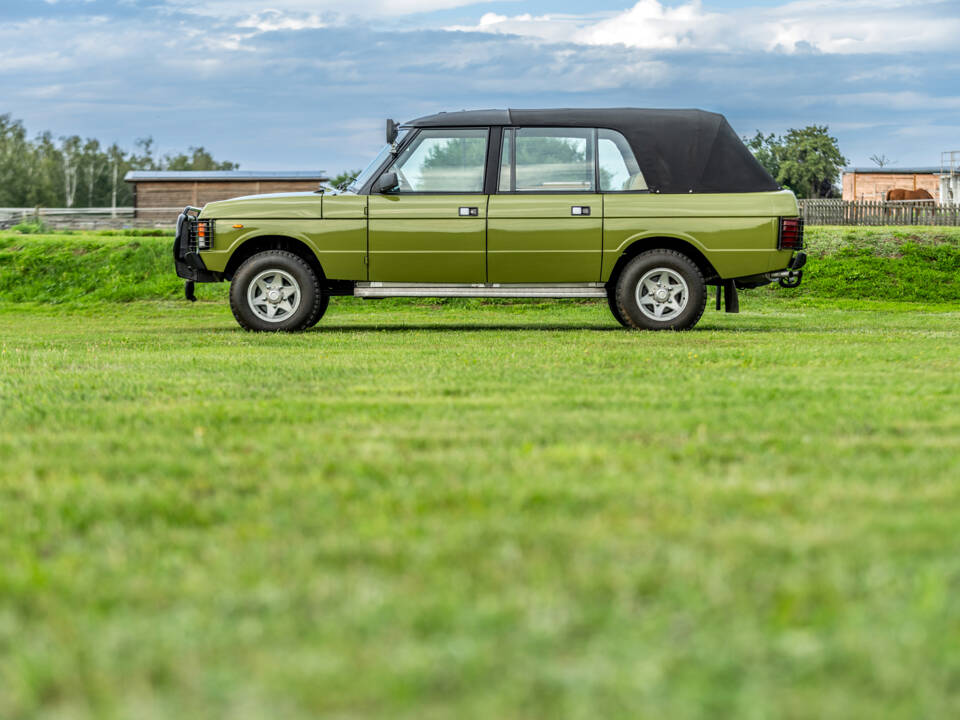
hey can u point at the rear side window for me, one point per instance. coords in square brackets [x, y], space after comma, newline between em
[547, 160]
[619, 171]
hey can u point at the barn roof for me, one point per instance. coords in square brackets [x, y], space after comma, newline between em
[222, 175]
[924, 170]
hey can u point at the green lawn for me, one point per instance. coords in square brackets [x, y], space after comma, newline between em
[478, 510]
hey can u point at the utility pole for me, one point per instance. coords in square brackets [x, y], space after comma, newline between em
[113, 205]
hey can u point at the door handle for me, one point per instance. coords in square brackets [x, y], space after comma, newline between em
[469, 211]
[580, 210]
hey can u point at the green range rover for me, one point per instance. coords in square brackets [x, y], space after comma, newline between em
[643, 207]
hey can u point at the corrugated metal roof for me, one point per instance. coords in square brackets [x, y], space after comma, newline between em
[223, 175]
[926, 170]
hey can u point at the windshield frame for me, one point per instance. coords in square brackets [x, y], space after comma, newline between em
[370, 171]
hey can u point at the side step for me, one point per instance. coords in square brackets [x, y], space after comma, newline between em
[479, 290]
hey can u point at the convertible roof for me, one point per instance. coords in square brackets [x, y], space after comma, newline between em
[679, 151]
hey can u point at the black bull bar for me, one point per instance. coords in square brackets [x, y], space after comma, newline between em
[186, 259]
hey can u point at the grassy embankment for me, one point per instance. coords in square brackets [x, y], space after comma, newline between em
[911, 264]
[477, 510]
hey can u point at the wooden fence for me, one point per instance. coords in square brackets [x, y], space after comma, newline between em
[878, 212]
[87, 218]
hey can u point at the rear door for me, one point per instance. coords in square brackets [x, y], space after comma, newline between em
[433, 227]
[545, 223]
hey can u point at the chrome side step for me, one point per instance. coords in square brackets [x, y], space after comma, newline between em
[479, 290]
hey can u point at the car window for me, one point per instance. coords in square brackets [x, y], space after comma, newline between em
[547, 160]
[360, 180]
[506, 160]
[443, 161]
[619, 170]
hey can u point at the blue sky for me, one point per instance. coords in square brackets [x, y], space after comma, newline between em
[306, 84]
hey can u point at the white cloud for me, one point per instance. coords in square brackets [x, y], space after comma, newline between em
[274, 20]
[859, 26]
[297, 8]
[550, 27]
[651, 26]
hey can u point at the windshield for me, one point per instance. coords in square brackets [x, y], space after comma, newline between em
[368, 171]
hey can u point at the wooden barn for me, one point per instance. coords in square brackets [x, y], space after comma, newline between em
[860, 183]
[158, 194]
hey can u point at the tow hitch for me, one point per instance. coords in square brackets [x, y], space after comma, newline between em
[793, 275]
[792, 279]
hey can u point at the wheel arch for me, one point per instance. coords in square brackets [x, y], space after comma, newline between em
[634, 247]
[252, 246]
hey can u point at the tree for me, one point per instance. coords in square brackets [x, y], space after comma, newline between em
[145, 160]
[198, 159]
[880, 160]
[44, 184]
[74, 172]
[807, 161]
[766, 149]
[810, 162]
[15, 160]
[344, 178]
[116, 159]
[456, 153]
[92, 162]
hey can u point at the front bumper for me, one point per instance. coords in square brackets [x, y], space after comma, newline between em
[187, 260]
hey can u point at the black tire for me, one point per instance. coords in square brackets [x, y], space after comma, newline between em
[614, 309]
[313, 298]
[321, 311]
[645, 264]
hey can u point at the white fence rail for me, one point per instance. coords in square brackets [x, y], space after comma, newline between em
[878, 212]
[91, 218]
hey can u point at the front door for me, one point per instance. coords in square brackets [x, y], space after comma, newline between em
[545, 224]
[432, 228]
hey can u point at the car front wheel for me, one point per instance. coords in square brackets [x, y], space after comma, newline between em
[276, 291]
[661, 290]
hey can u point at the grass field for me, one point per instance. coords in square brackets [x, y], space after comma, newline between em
[480, 510]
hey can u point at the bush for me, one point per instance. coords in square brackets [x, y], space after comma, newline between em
[31, 228]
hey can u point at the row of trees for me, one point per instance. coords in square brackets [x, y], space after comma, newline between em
[76, 172]
[808, 161]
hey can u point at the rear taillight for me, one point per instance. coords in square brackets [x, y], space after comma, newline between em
[791, 233]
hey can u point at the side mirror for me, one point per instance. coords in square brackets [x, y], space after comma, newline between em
[386, 183]
[391, 131]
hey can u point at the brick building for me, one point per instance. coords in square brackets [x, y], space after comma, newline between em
[158, 194]
[873, 183]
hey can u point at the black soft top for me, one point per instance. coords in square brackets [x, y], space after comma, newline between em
[679, 151]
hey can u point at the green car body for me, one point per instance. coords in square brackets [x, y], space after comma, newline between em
[377, 240]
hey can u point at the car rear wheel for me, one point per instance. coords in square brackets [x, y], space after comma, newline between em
[277, 291]
[661, 290]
